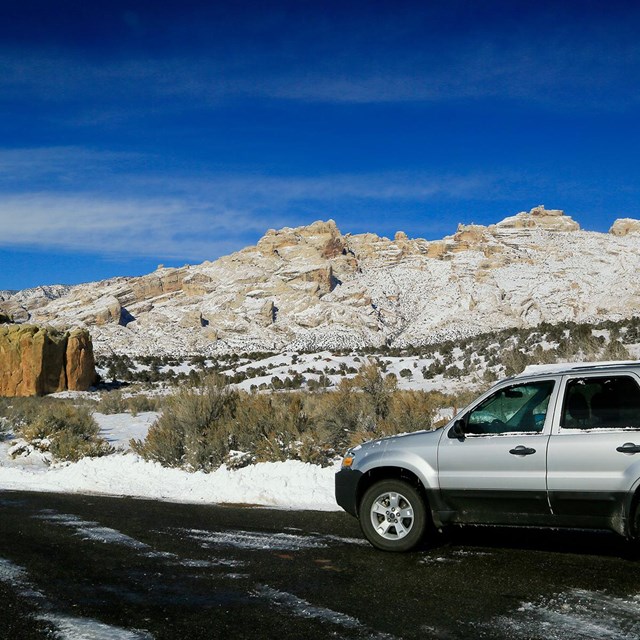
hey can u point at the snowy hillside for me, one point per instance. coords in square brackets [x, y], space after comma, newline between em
[313, 288]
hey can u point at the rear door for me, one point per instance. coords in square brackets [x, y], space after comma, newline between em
[594, 452]
[496, 473]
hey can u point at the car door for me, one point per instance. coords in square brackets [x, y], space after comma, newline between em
[594, 452]
[495, 471]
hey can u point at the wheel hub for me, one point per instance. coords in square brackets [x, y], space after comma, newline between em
[392, 516]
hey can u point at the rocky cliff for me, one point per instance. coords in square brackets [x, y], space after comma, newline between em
[36, 361]
[313, 287]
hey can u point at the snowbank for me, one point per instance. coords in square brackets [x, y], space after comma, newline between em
[284, 485]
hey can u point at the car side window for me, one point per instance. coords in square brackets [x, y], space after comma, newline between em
[611, 402]
[519, 408]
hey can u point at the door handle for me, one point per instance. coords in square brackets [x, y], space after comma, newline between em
[629, 447]
[522, 451]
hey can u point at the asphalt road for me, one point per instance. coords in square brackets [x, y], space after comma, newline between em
[86, 567]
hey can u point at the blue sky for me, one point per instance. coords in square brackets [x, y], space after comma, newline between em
[134, 133]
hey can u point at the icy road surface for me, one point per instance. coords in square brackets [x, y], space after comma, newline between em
[97, 568]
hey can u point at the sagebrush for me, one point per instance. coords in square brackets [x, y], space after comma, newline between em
[192, 431]
[203, 426]
[67, 431]
[112, 402]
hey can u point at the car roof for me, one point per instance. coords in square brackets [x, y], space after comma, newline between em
[561, 368]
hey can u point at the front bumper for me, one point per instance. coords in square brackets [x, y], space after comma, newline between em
[347, 490]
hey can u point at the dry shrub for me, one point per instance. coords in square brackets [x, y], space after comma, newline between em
[111, 402]
[68, 432]
[274, 427]
[192, 431]
[376, 387]
[163, 444]
[308, 449]
[5, 411]
[141, 403]
[514, 360]
[347, 416]
[200, 427]
[615, 350]
[21, 411]
[71, 447]
[411, 411]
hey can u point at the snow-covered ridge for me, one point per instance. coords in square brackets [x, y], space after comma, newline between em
[313, 288]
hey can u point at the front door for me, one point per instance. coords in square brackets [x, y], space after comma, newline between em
[496, 472]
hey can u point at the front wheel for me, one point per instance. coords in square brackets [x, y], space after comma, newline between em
[393, 516]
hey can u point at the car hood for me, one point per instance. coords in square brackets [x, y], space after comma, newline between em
[402, 440]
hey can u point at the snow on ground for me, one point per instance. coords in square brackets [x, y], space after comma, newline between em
[91, 530]
[407, 369]
[285, 485]
[119, 428]
[67, 627]
[578, 614]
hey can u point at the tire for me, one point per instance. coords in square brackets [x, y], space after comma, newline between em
[393, 516]
[634, 537]
[635, 523]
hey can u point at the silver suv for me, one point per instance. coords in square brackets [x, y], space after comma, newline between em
[558, 445]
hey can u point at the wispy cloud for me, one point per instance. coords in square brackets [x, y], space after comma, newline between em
[127, 204]
[90, 207]
[560, 71]
[63, 167]
[89, 223]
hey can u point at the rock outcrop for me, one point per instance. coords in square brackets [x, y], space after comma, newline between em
[80, 366]
[36, 360]
[540, 218]
[625, 226]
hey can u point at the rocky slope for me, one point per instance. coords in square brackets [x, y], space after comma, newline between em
[313, 287]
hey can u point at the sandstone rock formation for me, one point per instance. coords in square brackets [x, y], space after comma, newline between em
[540, 218]
[80, 366]
[37, 361]
[313, 287]
[625, 226]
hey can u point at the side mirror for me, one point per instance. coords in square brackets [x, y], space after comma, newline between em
[457, 430]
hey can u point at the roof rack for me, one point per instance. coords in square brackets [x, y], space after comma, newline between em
[562, 367]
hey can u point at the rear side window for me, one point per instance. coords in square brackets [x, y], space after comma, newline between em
[601, 403]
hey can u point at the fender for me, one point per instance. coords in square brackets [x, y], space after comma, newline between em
[416, 452]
